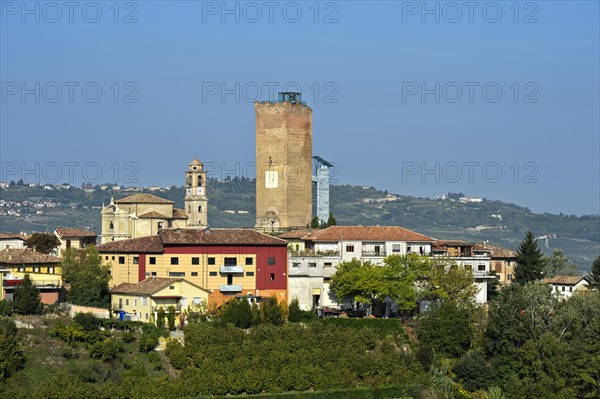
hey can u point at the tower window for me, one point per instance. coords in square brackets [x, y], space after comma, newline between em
[199, 209]
[111, 225]
[160, 225]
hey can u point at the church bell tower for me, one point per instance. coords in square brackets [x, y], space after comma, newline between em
[196, 203]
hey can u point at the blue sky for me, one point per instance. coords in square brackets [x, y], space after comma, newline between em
[407, 92]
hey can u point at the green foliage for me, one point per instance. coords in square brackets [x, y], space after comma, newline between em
[88, 321]
[160, 317]
[5, 308]
[237, 312]
[383, 328]
[331, 220]
[444, 280]
[361, 282]
[171, 318]
[108, 350]
[27, 298]
[447, 329]
[69, 333]
[148, 342]
[294, 311]
[530, 261]
[87, 276]
[272, 312]
[474, 372]
[558, 265]
[11, 356]
[594, 276]
[314, 223]
[177, 354]
[43, 242]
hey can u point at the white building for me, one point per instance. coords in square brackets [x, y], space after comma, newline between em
[565, 286]
[13, 241]
[314, 256]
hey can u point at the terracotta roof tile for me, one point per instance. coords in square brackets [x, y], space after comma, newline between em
[498, 252]
[151, 244]
[366, 233]
[153, 215]
[73, 232]
[8, 236]
[298, 233]
[217, 237]
[148, 286]
[26, 256]
[143, 198]
[566, 280]
[179, 214]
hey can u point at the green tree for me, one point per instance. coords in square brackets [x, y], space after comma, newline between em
[331, 220]
[530, 260]
[294, 311]
[474, 372]
[360, 282]
[27, 298]
[558, 265]
[594, 275]
[171, 318]
[43, 242]
[447, 329]
[11, 356]
[87, 276]
[445, 280]
[400, 275]
[272, 312]
[314, 223]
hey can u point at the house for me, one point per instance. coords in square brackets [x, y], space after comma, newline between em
[470, 256]
[13, 240]
[227, 262]
[74, 238]
[44, 270]
[141, 301]
[566, 286]
[314, 255]
[502, 262]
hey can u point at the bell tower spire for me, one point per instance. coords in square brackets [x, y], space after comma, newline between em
[196, 202]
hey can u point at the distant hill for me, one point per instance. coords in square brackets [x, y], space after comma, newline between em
[232, 204]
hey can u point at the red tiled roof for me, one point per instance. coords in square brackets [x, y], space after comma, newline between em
[179, 214]
[296, 234]
[217, 237]
[153, 215]
[443, 244]
[73, 232]
[150, 244]
[148, 286]
[8, 236]
[26, 256]
[565, 280]
[497, 252]
[143, 198]
[366, 233]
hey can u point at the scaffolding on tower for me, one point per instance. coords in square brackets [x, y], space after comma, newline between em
[321, 180]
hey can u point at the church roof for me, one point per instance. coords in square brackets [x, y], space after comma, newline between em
[153, 215]
[179, 214]
[196, 162]
[144, 199]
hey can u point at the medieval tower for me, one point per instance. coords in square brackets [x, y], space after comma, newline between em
[283, 163]
[196, 203]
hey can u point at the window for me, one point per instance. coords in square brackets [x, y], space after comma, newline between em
[197, 300]
[174, 261]
[270, 261]
[570, 289]
[509, 277]
[328, 264]
[121, 260]
[176, 274]
[249, 274]
[153, 274]
[106, 257]
[146, 316]
[195, 261]
[160, 225]
[395, 247]
[199, 209]
[144, 301]
[51, 270]
[135, 302]
[249, 261]
[126, 302]
[147, 274]
[230, 261]
[153, 260]
[312, 264]
[563, 289]
[481, 268]
[468, 267]
[349, 248]
[272, 276]
[194, 274]
[111, 225]
[136, 260]
[113, 258]
[211, 261]
[408, 249]
[171, 287]
[212, 274]
[21, 269]
[296, 264]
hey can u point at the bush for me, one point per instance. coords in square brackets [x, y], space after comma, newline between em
[176, 353]
[11, 357]
[294, 311]
[5, 308]
[88, 321]
[474, 372]
[70, 333]
[108, 350]
[154, 360]
[148, 342]
[447, 329]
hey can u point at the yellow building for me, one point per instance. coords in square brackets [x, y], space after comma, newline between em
[74, 238]
[142, 301]
[44, 270]
[502, 261]
[142, 215]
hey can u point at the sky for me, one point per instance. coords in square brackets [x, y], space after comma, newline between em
[496, 100]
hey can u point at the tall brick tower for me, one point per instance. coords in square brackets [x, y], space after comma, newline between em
[196, 202]
[283, 162]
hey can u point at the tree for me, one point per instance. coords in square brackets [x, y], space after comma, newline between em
[87, 276]
[272, 312]
[43, 242]
[594, 276]
[11, 356]
[314, 223]
[400, 277]
[27, 298]
[530, 261]
[294, 311]
[360, 282]
[445, 280]
[558, 265]
[331, 220]
[447, 329]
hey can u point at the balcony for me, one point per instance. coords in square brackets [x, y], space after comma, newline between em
[232, 269]
[373, 254]
[313, 254]
[166, 308]
[39, 284]
[230, 287]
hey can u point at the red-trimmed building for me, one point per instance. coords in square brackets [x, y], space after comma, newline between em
[226, 262]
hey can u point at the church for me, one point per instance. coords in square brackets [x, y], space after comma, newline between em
[142, 215]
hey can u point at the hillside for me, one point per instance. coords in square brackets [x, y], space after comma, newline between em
[231, 204]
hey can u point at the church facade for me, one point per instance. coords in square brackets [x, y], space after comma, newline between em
[142, 215]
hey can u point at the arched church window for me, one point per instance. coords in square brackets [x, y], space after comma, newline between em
[111, 225]
[199, 209]
[189, 180]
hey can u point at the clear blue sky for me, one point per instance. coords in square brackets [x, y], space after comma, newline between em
[373, 59]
